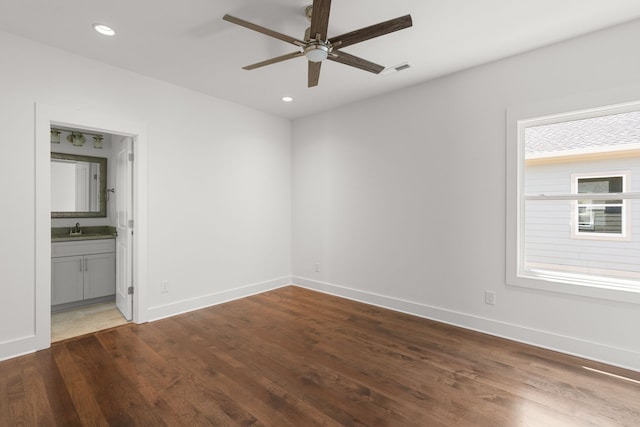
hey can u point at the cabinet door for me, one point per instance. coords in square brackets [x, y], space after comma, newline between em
[99, 275]
[66, 279]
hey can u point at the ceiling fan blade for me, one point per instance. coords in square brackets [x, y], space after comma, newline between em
[320, 19]
[263, 30]
[371, 31]
[314, 73]
[273, 60]
[354, 61]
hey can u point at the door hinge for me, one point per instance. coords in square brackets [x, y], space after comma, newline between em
[130, 290]
[131, 157]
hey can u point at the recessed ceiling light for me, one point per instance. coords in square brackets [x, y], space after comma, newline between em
[104, 29]
[287, 98]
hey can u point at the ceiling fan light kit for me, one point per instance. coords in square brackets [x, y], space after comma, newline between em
[319, 47]
[317, 52]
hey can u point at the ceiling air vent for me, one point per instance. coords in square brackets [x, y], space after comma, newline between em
[396, 68]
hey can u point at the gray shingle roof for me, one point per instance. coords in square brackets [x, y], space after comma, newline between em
[605, 131]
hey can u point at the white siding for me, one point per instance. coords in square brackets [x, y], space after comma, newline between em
[548, 223]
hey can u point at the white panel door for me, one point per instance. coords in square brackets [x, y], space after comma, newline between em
[124, 226]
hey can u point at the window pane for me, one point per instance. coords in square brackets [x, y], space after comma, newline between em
[608, 220]
[586, 236]
[585, 219]
[612, 184]
[605, 216]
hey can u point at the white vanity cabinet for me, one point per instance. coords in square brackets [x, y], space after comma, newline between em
[82, 270]
[67, 279]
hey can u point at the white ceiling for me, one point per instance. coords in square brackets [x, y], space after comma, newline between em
[187, 43]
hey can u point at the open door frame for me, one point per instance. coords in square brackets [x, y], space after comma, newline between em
[45, 116]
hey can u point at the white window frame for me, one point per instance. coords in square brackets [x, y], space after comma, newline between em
[517, 119]
[625, 233]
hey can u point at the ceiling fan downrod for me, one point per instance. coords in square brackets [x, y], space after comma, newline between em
[316, 50]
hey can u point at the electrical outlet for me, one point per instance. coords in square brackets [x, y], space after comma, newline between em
[317, 267]
[489, 297]
[164, 286]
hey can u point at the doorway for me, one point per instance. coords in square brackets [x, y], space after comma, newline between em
[97, 195]
[136, 250]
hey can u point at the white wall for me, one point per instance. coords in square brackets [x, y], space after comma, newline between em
[219, 194]
[401, 199]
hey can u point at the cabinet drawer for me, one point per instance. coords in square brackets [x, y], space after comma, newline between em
[84, 247]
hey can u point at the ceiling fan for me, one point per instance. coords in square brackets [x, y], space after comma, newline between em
[317, 47]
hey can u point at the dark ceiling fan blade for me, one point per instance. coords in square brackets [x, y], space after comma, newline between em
[371, 31]
[314, 73]
[273, 60]
[320, 19]
[354, 61]
[263, 30]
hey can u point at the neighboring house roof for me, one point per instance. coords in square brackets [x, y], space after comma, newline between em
[586, 135]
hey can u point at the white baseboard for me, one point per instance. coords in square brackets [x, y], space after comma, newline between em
[184, 306]
[589, 350]
[17, 347]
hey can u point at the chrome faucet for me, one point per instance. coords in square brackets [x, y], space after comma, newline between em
[76, 229]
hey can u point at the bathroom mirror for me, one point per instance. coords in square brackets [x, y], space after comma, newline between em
[78, 186]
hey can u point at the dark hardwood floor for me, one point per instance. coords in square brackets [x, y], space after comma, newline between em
[293, 357]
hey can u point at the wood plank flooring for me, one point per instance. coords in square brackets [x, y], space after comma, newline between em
[293, 357]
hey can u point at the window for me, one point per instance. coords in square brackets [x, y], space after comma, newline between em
[573, 220]
[600, 217]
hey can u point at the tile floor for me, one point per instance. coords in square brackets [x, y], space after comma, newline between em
[84, 320]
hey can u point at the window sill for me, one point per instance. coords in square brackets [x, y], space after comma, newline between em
[620, 290]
